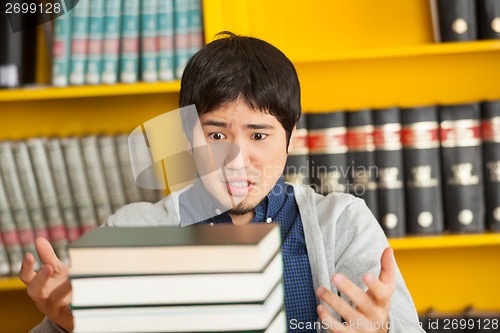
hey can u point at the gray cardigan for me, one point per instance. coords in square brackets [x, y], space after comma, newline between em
[341, 236]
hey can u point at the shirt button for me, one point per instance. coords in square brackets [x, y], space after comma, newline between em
[269, 220]
[218, 211]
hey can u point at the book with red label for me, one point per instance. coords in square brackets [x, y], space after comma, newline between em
[422, 170]
[389, 161]
[461, 159]
[488, 19]
[361, 163]
[490, 113]
[296, 168]
[327, 151]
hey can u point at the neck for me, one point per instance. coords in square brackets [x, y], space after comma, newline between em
[242, 219]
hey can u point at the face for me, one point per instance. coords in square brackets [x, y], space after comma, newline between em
[251, 153]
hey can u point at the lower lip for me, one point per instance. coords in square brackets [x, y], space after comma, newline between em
[238, 190]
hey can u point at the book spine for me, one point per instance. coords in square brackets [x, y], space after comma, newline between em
[296, 168]
[129, 64]
[132, 191]
[363, 173]
[327, 138]
[9, 233]
[79, 184]
[195, 27]
[461, 159]
[96, 31]
[166, 59]
[422, 170]
[488, 17]
[79, 42]
[457, 20]
[17, 202]
[30, 189]
[389, 162]
[4, 259]
[111, 41]
[63, 189]
[96, 179]
[111, 170]
[11, 53]
[181, 35]
[61, 49]
[149, 41]
[57, 231]
[490, 113]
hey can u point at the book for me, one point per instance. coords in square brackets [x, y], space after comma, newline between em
[18, 205]
[327, 138]
[111, 41]
[461, 158]
[48, 197]
[195, 27]
[63, 190]
[363, 171]
[79, 184]
[9, 235]
[454, 20]
[297, 163]
[61, 49]
[389, 162]
[95, 177]
[166, 59]
[422, 170]
[111, 170]
[129, 55]
[488, 19]
[11, 52]
[142, 290]
[4, 259]
[181, 35]
[209, 318]
[490, 113]
[79, 42]
[149, 41]
[96, 32]
[132, 191]
[191, 249]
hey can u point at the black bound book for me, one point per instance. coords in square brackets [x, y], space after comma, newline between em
[297, 168]
[488, 19]
[455, 20]
[11, 52]
[422, 170]
[362, 167]
[389, 161]
[327, 151]
[461, 159]
[491, 156]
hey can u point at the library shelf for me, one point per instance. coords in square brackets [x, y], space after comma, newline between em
[445, 241]
[11, 283]
[54, 93]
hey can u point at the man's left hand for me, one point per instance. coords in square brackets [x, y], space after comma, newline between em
[371, 314]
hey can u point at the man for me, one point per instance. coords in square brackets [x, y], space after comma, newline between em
[335, 255]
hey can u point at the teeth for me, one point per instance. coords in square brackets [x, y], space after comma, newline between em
[242, 184]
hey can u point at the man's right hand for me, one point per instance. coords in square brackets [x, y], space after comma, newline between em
[49, 288]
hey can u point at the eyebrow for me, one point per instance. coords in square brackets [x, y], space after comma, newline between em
[226, 125]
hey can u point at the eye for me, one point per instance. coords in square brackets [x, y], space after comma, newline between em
[216, 136]
[259, 136]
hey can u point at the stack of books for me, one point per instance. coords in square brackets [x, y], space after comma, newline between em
[200, 278]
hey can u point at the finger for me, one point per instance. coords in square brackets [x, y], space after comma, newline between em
[363, 302]
[330, 323]
[60, 297]
[47, 254]
[378, 291]
[339, 305]
[388, 267]
[27, 273]
[36, 287]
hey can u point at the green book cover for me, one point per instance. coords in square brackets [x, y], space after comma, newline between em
[166, 60]
[96, 30]
[129, 66]
[61, 49]
[111, 42]
[79, 42]
[149, 41]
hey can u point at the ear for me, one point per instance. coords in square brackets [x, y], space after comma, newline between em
[290, 142]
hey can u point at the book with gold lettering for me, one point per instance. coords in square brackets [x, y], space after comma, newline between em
[296, 168]
[389, 162]
[422, 170]
[461, 159]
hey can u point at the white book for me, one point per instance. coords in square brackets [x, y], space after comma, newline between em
[111, 170]
[132, 191]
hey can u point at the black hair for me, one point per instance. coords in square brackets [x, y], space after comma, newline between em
[244, 67]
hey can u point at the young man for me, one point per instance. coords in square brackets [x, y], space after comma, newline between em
[247, 94]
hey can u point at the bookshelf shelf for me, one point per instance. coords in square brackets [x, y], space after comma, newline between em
[445, 241]
[11, 283]
[54, 93]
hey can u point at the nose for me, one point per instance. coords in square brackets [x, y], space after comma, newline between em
[239, 156]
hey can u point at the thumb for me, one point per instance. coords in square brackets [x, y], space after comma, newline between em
[388, 267]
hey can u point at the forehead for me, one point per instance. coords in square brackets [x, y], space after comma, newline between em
[240, 113]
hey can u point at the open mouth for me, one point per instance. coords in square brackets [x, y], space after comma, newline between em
[238, 187]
